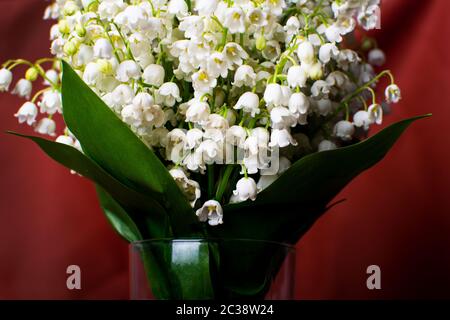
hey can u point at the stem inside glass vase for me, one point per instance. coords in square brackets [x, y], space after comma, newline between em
[206, 269]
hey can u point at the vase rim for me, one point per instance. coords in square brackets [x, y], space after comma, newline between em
[181, 240]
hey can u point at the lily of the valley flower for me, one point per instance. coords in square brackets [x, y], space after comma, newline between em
[344, 130]
[5, 79]
[23, 88]
[245, 189]
[361, 119]
[51, 102]
[127, 70]
[46, 126]
[297, 77]
[168, 94]
[245, 76]
[249, 102]
[198, 112]
[154, 75]
[190, 188]
[393, 94]
[375, 112]
[326, 145]
[27, 113]
[212, 212]
[65, 139]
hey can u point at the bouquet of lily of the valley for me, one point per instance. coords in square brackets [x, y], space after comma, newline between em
[199, 119]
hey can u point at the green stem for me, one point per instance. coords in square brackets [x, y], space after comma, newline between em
[224, 182]
[189, 5]
[210, 181]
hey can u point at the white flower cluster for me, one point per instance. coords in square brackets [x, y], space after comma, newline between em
[195, 79]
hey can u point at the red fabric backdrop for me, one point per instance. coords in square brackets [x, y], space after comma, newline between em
[396, 215]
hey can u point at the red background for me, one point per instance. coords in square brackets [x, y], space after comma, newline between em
[396, 215]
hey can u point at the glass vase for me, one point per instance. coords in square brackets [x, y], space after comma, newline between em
[211, 269]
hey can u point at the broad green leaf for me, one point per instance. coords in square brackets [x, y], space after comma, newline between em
[290, 206]
[111, 144]
[144, 211]
[307, 187]
[118, 217]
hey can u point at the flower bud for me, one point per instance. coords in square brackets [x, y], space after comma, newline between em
[80, 30]
[260, 43]
[63, 26]
[70, 8]
[31, 74]
[70, 48]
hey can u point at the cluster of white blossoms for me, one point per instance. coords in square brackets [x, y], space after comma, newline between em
[198, 79]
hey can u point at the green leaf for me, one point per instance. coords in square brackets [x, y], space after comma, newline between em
[111, 144]
[289, 207]
[308, 185]
[118, 217]
[144, 210]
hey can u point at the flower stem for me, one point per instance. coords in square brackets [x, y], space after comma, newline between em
[224, 182]
[210, 181]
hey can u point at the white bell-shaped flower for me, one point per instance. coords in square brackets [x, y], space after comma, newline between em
[327, 52]
[127, 70]
[299, 103]
[377, 57]
[245, 76]
[236, 136]
[154, 75]
[168, 94]
[198, 112]
[193, 138]
[282, 117]
[206, 7]
[212, 212]
[23, 88]
[203, 82]
[245, 189]
[92, 74]
[51, 75]
[27, 113]
[217, 65]
[46, 126]
[65, 139]
[297, 77]
[235, 20]
[281, 138]
[326, 145]
[51, 102]
[305, 52]
[344, 130]
[249, 102]
[178, 8]
[393, 94]
[273, 95]
[6, 77]
[375, 112]
[189, 187]
[361, 120]
[103, 49]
